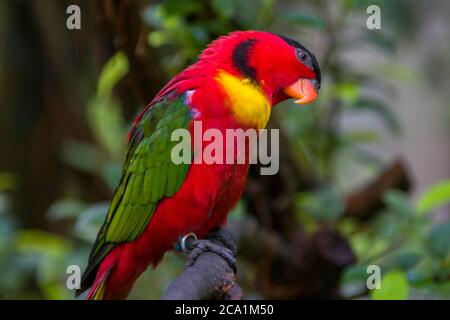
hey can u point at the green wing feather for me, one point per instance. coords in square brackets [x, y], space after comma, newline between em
[148, 176]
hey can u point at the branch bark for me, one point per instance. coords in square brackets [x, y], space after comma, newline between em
[366, 202]
[209, 277]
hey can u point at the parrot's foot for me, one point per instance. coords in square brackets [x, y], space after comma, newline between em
[202, 246]
[218, 241]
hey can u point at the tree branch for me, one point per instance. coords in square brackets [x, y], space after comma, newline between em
[367, 201]
[209, 277]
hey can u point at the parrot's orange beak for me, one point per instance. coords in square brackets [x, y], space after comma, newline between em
[304, 90]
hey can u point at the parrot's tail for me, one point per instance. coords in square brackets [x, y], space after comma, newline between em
[101, 287]
[110, 282]
[97, 291]
[112, 271]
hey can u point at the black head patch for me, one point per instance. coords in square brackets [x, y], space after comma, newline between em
[240, 58]
[314, 64]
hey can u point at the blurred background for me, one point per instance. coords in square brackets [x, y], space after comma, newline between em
[364, 175]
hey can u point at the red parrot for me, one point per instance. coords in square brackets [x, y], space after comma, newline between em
[234, 84]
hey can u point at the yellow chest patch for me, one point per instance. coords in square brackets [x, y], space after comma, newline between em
[248, 103]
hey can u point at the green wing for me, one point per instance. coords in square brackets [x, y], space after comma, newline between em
[148, 176]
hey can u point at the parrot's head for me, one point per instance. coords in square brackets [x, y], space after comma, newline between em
[281, 67]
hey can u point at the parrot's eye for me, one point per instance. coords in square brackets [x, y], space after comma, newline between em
[301, 55]
[304, 57]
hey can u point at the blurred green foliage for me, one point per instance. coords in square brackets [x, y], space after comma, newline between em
[394, 287]
[404, 242]
[436, 196]
[413, 252]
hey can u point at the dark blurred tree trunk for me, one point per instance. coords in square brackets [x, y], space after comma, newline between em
[45, 93]
[26, 136]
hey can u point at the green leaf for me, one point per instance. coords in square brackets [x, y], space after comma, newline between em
[106, 120]
[438, 240]
[159, 38]
[114, 70]
[435, 197]
[348, 91]
[394, 286]
[44, 243]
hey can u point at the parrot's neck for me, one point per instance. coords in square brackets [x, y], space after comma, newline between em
[248, 103]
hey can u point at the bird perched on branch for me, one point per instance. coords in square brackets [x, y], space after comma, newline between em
[234, 84]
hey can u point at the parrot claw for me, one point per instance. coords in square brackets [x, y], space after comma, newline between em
[218, 241]
[202, 246]
[223, 237]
